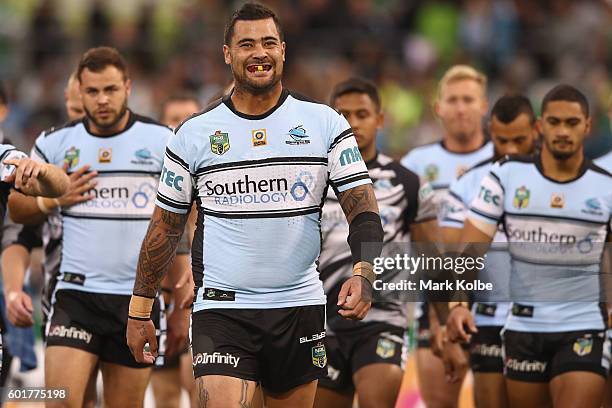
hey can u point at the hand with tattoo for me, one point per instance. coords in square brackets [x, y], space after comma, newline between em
[138, 334]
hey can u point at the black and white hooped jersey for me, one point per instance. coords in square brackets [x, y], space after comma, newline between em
[7, 152]
[102, 237]
[259, 182]
[402, 200]
[556, 233]
[452, 214]
[440, 167]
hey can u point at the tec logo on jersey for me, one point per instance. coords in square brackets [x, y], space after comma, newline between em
[219, 143]
[297, 136]
[258, 137]
[71, 158]
[105, 155]
[521, 197]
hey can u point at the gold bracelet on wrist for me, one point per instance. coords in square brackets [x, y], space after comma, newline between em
[365, 270]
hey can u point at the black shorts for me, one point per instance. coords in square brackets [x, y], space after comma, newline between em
[280, 348]
[96, 323]
[423, 333]
[538, 357]
[486, 350]
[351, 350]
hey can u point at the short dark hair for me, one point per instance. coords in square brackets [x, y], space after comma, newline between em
[250, 12]
[3, 95]
[509, 107]
[566, 93]
[97, 59]
[357, 85]
[177, 97]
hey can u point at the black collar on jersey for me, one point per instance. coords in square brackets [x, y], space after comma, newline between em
[130, 123]
[484, 143]
[586, 163]
[372, 163]
[227, 100]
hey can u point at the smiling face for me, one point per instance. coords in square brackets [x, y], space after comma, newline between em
[104, 95]
[256, 55]
[563, 126]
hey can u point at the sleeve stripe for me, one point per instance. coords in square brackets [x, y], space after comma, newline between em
[40, 153]
[344, 135]
[170, 199]
[6, 152]
[494, 176]
[352, 180]
[485, 215]
[338, 180]
[171, 203]
[447, 220]
[175, 158]
[456, 196]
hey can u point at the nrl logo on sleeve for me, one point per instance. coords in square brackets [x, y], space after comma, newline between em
[219, 143]
[319, 356]
[71, 158]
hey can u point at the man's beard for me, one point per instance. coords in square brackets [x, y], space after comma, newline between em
[111, 124]
[560, 155]
[242, 82]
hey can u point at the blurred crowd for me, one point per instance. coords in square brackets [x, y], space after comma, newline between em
[175, 45]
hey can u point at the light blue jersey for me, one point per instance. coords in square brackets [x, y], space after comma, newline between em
[556, 231]
[259, 182]
[440, 167]
[605, 162]
[453, 212]
[102, 237]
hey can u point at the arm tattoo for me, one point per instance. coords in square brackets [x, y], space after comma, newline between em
[244, 395]
[158, 250]
[356, 200]
[203, 394]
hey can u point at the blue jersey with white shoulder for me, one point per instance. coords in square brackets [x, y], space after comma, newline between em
[102, 237]
[556, 233]
[259, 182]
[452, 214]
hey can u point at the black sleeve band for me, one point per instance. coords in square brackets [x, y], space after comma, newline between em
[365, 237]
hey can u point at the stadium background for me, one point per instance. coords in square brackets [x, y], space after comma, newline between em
[172, 45]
